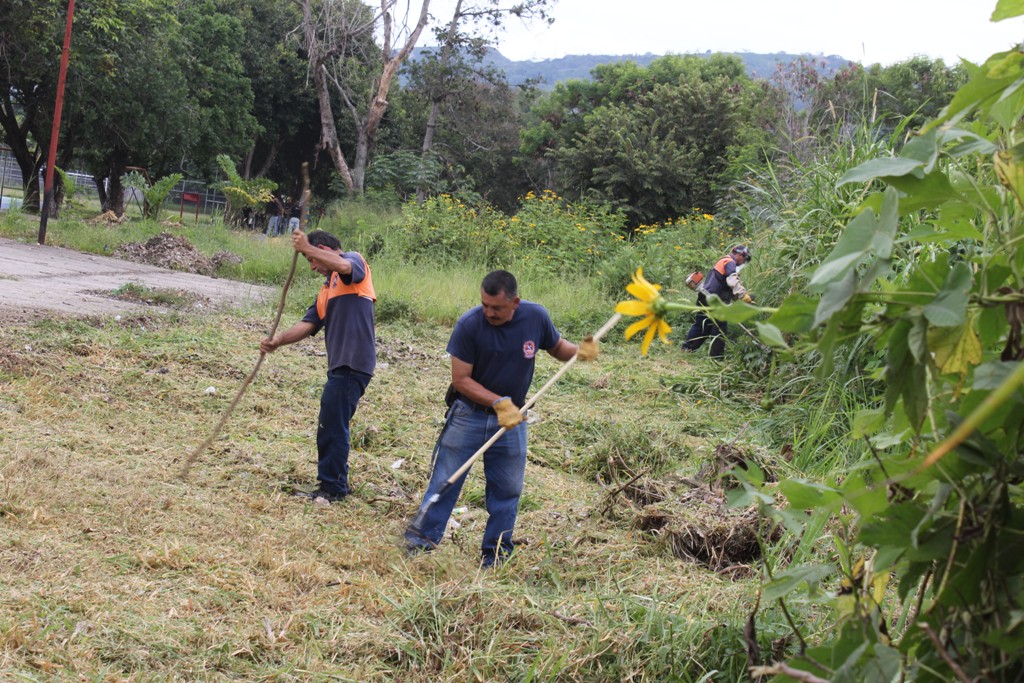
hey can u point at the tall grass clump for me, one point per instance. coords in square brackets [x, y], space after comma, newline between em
[796, 211]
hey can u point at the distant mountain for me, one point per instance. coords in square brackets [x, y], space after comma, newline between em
[551, 71]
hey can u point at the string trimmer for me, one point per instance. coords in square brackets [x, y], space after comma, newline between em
[416, 525]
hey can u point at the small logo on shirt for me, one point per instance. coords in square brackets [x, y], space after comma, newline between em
[529, 350]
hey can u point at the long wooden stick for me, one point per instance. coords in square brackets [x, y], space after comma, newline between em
[194, 456]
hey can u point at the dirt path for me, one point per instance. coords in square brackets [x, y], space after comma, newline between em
[36, 278]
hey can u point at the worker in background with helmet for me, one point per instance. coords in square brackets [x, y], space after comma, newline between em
[724, 281]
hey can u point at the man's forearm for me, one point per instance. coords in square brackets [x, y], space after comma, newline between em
[296, 332]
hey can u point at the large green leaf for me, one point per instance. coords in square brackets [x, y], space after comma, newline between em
[895, 528]
[924, 192]
[992, 375]
[1007, 9]
[927, 234]
[736, 312]
[949, 306]
[917, 339]
[998, 75]
[904, 376]
[803, 494]
[838, 266]
[869, 233]
[925, 148]
[867, 422]
[786, 582]
[1006, 110]
[967, 143]
[956, 349]
[880, 168]
[795, 315]
[835, 297]
[771, 336]
[867, 500]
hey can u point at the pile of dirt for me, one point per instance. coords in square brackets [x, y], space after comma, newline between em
[174, 251]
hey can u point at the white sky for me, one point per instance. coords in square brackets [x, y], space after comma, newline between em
[866, 31]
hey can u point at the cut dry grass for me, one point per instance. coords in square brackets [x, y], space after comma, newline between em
[113, 568]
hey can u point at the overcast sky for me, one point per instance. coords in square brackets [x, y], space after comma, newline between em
[866, 31]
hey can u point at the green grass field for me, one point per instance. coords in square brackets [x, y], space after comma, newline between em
[113, 568]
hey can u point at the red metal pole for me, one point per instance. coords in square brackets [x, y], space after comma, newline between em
[51, 160]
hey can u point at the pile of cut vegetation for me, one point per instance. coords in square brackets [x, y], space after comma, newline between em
[110, 218]
[691, 515]
[176, 252]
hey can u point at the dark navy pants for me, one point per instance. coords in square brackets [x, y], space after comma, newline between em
[705, 327]
[342, 392]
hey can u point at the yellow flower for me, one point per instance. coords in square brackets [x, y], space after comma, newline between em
[648, 304]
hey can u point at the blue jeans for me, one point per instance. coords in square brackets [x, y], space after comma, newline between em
[466, 429]
[338, 404]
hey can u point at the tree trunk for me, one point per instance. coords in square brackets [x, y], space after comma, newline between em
[59, 193]
[268, 162]
[437, 97]
[362, 159]
[101, 189]
[29, 161]
[367, 141]
[115, 195]
[247, 162]
[328, 128]
[319, 57]
[428, 143]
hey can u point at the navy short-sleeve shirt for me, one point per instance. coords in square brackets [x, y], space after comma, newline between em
[344, 309]
[503, 356]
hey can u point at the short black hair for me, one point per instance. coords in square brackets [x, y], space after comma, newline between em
[498, 281]
[322, 238]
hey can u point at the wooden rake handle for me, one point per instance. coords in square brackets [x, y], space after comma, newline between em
[201, 448]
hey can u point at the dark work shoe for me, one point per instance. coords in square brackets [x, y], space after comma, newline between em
[329, 496]
[490, 561]
[413, 550]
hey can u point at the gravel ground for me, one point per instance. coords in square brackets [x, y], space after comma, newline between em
[40, 280]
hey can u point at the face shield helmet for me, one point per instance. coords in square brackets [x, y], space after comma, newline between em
[743, 251]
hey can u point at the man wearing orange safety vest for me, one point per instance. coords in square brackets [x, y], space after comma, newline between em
[723, 281]
[344, 311]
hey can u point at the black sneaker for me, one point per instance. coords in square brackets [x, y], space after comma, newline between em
[329, 496]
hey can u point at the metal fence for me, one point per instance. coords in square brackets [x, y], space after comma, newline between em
[186, 197]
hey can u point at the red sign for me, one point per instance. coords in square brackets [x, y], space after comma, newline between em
[189, 197]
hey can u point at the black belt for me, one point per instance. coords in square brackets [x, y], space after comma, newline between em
[476, 406]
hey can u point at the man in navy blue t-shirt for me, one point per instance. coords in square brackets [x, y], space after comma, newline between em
[344, 311]
[493, 349]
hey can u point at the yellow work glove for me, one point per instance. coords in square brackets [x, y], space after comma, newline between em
[508, 414]
[747, 299]
[588, 349]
